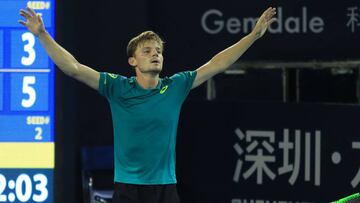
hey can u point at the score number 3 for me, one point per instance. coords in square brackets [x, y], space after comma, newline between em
[28, 48]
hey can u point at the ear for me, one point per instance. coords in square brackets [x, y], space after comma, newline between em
[132, 61]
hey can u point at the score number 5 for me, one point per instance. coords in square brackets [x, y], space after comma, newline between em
[29, 90]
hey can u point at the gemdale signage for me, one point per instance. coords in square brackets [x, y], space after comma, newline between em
[213, 22]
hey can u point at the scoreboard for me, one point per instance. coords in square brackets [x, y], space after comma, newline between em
[27, 151]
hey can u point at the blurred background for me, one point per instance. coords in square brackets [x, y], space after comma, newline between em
[279, 126]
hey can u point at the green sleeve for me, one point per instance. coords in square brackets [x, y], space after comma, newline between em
[110, 84]
[184, 81]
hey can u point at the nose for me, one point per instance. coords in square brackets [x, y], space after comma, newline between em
[155, 53]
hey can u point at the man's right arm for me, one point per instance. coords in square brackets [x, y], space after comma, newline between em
[67, 63]
[62, 58]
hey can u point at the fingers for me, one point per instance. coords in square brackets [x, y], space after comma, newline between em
[40, 19]
[269, 13]
[22, 22]
[272, 20]
[28, 14]
[25, 14]
[31, 11]
[269, 9]
[272, 11]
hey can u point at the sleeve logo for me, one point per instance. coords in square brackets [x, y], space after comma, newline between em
[114, 76]
[163, 90]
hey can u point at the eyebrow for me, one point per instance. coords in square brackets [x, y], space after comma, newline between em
[157, 48]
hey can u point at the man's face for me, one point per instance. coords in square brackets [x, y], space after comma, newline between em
[148, 57]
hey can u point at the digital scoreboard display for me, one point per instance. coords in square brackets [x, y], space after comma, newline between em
[27, 77]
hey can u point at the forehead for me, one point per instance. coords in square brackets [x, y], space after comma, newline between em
[149, 44]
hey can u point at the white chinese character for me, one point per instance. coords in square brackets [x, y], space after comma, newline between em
[239, 151]
[353, 18]
[259, 159]
[287, 146]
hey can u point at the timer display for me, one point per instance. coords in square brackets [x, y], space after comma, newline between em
[25, 185]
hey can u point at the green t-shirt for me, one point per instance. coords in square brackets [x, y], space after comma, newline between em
[145, 124]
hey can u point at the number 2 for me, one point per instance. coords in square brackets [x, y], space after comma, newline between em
[2, 188]
[38, 135]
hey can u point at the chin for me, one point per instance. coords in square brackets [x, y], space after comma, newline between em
[156, 70]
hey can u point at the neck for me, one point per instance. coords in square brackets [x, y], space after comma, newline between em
[147, 81]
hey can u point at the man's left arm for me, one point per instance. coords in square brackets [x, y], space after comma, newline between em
[221, 61]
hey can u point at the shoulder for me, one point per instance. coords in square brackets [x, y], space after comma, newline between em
[111, 78]
[184, 75]
[111, 84]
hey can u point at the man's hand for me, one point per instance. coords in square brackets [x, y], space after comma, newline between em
[264, 22]
[34, 22]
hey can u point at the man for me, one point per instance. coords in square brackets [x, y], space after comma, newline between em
[145, 108]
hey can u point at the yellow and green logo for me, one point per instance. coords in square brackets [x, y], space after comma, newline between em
[163, 90]
[113, 75]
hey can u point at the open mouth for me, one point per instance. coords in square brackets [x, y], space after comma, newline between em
[155, 61]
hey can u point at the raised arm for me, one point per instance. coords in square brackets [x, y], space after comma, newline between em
[221, 61]
[62, 58]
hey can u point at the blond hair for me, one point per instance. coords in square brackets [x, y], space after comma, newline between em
[141, 39]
